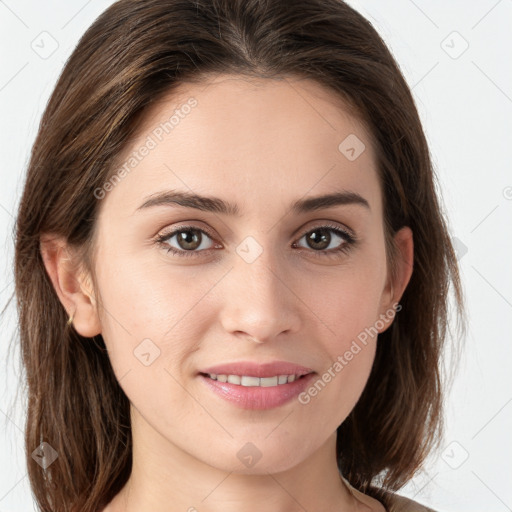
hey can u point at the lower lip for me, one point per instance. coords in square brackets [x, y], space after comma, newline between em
[258, 397]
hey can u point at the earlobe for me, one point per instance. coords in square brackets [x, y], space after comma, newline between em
[71, 285]
[404, 267]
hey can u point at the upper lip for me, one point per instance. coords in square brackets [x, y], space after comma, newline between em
[258, 369]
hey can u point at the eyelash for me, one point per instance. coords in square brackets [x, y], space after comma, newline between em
[349, 241]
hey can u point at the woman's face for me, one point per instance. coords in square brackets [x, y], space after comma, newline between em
[252, 286]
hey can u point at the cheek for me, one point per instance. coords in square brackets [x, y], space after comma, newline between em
[346, 304]
[151, 308]
[349, 346]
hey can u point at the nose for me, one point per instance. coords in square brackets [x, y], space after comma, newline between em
[259, 299]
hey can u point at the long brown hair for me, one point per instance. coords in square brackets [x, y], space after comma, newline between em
[135, 52]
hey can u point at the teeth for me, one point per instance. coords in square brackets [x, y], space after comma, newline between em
[251, 381]
[248, 381]
[268, 381]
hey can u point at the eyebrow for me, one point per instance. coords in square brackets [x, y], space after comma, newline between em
[217, 205]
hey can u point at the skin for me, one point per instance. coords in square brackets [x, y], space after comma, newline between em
[261, 144]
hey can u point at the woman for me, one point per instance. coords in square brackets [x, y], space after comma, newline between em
[232, 268]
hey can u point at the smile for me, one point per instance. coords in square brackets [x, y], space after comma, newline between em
[249, 381]
[248, 392]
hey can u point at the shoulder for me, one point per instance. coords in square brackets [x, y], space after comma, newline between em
[397, 503]
[403, 504]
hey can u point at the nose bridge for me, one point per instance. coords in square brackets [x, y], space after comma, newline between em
[258, 300]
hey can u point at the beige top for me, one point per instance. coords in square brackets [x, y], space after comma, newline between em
[399, 503]
[403, 504]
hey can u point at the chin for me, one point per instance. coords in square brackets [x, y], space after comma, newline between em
[257, 459]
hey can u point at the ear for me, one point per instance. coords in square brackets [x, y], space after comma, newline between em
[72, 285]
[396, 286]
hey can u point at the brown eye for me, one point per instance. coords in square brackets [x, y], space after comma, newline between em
[319, 239]
[189, 241]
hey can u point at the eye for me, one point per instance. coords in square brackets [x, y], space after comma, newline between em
[321, 237]
[189, 239]
[192, 240]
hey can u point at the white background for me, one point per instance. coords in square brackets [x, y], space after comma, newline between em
[465, 102]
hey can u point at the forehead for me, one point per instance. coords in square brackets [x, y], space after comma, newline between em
[252, 138]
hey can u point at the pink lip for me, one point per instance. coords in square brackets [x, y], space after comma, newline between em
[258, 370]
[256, 397]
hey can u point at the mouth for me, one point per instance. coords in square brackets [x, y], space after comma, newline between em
[257, 385]
[257, 393]
[252, 381]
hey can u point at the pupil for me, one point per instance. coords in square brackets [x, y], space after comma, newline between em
[323, 239]
[189, 242]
